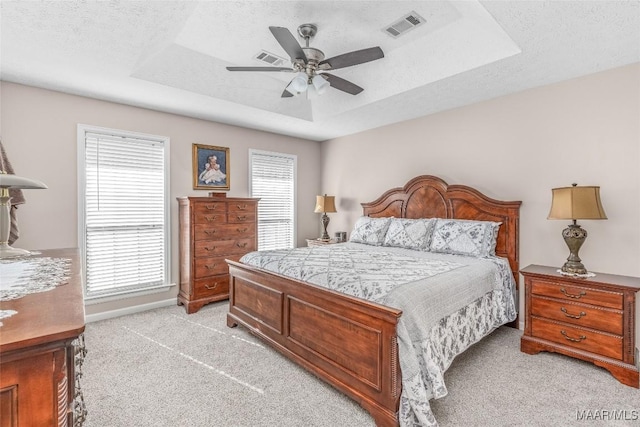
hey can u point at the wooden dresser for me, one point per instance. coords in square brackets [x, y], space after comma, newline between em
[592, 319]
[38, 355]
[212, 229]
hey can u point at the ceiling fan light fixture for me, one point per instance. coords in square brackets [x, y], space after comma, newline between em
[290, 90]
[299, 82]
[320, 84]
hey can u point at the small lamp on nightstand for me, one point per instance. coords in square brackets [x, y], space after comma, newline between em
[575, 203]
[325, 204]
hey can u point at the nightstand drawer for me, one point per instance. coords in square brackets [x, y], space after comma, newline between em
[583, 339]
[603, 319]
[581, 294]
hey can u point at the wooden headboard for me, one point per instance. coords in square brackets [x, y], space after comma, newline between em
[430, 197]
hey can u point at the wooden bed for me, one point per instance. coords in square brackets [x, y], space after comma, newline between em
[349, 342]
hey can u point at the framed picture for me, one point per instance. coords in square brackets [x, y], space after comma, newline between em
[210, 167]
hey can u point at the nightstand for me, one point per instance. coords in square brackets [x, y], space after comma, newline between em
[318, 242]
[592, 319]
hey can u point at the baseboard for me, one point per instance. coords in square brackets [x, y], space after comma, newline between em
[128, 310]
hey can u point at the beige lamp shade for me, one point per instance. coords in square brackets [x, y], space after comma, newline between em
[576, 203]
[325, 204]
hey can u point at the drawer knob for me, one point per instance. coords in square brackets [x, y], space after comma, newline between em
[581, 338]
[241, 217]
[573, 316]
[209, 232]
[207, 248]
[574, 296]
[211, 217]
[211, 207]
[242, 207]
[241, 245]
[242, 230]
[215, 285]
[210, 267]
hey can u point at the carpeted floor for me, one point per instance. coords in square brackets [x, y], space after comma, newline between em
[166, 368]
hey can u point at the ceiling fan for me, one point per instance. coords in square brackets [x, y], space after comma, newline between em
[310, 65]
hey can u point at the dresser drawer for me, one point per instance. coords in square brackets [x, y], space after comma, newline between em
[241, 206]
[583, 339]
[242, 246]
[211, 266]
[603, 319]
[224, 232]
[209, 247]
[211, 218]
[240, 217]
[211, 286]
[581, 294]
[208, 208]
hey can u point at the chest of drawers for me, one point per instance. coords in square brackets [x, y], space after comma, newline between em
[592, 319]
[212, 230]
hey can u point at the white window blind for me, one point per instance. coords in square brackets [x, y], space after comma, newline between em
[125, 215]
[272, 179]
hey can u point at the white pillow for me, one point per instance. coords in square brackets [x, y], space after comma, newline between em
[410, 233]
[465, 237]
[370, 231]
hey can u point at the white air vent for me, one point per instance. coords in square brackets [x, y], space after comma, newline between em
[404, 24]
[271, 59]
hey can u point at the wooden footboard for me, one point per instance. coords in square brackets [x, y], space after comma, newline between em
[348, 342]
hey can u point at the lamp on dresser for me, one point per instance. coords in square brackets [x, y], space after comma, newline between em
[325, 204]
[8, 181]
[575, 203]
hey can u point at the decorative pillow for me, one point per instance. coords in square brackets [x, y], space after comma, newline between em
[370, 231]
[410, 233]
[465, 237]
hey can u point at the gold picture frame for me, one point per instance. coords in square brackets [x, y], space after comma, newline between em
[211, 169]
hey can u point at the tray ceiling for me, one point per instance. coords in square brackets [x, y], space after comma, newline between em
[171, 55]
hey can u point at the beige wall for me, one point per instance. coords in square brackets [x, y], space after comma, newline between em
[38, 129]
[516, 147]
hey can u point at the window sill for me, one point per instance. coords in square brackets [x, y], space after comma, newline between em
[127, 294]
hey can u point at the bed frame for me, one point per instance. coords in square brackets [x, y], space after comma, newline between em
[346, 341]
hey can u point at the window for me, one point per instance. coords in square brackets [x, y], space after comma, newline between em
[123, 211]
[272, 179]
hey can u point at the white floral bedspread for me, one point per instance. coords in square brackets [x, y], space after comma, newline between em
[355, 271]
[448, 303]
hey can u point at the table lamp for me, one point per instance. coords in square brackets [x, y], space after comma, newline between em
[8, 181]
[325, 204]
[575, 203]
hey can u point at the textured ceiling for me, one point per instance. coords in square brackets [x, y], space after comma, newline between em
[171, 55]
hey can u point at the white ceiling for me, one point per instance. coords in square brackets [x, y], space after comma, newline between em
[171, 55]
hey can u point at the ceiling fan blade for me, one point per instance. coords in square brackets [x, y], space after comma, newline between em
[342, 84]
[288, 43]
[286, 94]
[352, 58]
[260, 69]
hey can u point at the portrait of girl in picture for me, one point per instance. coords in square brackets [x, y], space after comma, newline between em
[210, 167]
